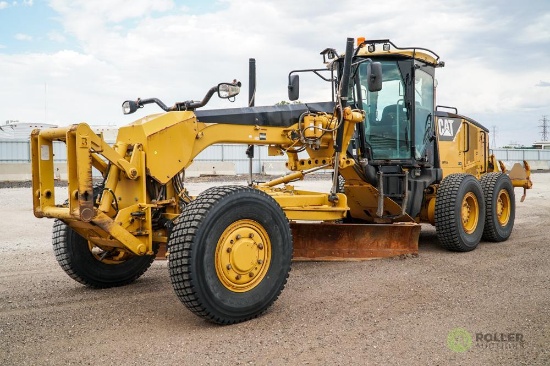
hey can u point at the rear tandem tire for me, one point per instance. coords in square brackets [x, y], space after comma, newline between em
[230, 252]
[77, 260]
[459, 212]
[500, 206]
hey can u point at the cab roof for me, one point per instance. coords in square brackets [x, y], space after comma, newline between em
[385, 48]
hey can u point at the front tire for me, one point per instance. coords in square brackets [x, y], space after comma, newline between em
[459, 212]
[230, 252]
[91, 266]
[500, 206]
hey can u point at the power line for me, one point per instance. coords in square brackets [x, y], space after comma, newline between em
[544, 128]
[494, 134]
[45, 103]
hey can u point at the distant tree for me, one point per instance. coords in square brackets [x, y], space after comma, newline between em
[515, 145]
[284, 102]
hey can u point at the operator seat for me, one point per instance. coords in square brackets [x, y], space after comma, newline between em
[385, 134]
[389, 115]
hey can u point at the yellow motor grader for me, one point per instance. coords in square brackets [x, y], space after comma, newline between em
[397, 161]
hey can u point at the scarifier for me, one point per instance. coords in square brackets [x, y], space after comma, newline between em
[397, 161]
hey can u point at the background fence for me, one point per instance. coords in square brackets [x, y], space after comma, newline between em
[15, 156]
[522, 154]
[17, 152]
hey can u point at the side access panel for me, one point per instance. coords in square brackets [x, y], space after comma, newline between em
[463, 144]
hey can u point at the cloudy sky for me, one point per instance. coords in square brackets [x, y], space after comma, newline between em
[67, 61]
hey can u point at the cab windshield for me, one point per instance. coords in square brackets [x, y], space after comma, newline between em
[387, 122]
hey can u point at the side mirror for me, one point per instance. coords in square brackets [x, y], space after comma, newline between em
[229, 90]
[293, 87]
[129, 107]
[374, 76]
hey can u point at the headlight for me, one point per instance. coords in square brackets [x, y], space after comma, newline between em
[229, 90]
[129, 107]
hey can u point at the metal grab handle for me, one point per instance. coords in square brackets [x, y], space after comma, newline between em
[467, 132]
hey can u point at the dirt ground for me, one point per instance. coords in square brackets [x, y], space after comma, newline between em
[380, 312]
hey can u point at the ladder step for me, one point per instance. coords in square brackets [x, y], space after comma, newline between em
[400, 186]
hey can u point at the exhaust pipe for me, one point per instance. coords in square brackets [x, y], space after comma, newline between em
[251, 102]
[251, 82]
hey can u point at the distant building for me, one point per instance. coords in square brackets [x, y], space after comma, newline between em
[515, 145]
[109, 132]
[15, 130]
[544, 145]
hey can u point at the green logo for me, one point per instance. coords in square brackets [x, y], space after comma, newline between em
[459, 340]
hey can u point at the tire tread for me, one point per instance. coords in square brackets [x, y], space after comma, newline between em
[488, 183]
[60, 240]
[445, 216]
[181, 248]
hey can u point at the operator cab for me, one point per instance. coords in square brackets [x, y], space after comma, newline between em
[399, 123]
[396, 144]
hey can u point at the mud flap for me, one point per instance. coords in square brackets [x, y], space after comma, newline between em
[353, 242]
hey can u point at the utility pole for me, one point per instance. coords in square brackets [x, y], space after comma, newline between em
[544, 128]
[494, 133]
[45, 103]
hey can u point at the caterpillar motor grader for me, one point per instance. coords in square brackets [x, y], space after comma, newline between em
[397, 161]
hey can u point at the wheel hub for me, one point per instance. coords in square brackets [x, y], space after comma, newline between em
[243, 254]
[469, 212]
[503, 207]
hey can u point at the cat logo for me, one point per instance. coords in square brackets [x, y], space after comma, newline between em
[448, 128]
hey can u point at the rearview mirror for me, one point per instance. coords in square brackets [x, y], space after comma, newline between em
[228, 90]
[293, 87]
[374, 76]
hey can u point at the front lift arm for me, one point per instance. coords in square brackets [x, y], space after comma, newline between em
[155, 150]
[84, 148]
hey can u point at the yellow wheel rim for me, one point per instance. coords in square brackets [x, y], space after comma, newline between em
[503, 207]
[469, 212]
[243, 255]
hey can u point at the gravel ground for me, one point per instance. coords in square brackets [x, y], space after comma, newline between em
[390, 312]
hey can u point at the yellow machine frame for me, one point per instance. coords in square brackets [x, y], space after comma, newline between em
[159, 145]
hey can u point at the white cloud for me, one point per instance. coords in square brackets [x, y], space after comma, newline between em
[5, 4]
[477, 88]
[158, 49]
[23, 37]
[108, 10]
[56, 37]
[538, 30]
